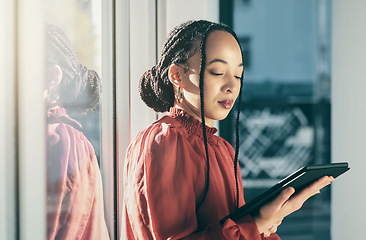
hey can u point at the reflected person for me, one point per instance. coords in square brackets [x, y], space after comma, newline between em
[74, 185]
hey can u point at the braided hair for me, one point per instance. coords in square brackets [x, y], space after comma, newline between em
[80, 88]
[157, 91]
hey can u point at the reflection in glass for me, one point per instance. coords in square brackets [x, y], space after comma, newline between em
[74, 184]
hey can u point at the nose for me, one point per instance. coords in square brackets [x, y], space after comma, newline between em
[231, 85]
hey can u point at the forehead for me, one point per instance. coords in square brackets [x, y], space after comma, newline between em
[224, 45]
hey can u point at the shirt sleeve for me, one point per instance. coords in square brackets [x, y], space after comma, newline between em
[74, 187]
[160, 197]
[244, 229]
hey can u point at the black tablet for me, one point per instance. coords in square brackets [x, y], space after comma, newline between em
[298, 180]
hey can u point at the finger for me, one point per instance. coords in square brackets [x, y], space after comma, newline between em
[267, 233]
[323, 181]
[315, 187]
[278, 223]
[283, 197]
[298, 199]
[273, 229]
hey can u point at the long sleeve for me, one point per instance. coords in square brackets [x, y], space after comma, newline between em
[74, 186]
[164, 180]
[159, 192]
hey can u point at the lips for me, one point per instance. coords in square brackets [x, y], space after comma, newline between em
[227, 104]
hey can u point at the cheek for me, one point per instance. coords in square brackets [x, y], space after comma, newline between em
[238, 92]
[191, 84]
[237, 89]
[211, 92]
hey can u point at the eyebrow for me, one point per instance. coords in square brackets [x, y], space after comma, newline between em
[222, 61]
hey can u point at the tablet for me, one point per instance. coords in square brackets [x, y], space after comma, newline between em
[298, 180]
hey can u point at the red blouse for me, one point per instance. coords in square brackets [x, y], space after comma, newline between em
[74, 185]
[164, 180]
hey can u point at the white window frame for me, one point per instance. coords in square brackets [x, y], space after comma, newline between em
[8, 226]
[30, 119]
[135, 53]
[107, 165]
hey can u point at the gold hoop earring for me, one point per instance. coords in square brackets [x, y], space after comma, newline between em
[179, 95]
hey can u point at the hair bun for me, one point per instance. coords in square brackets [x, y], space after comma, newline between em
[94, 89]
[91, 88]
[84, 91]
[151, 93]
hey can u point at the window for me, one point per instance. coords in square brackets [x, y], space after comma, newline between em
[75, 167]
[285, 114]
[245, 44]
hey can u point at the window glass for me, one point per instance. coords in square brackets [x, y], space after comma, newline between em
[75, 202]
[285, 114]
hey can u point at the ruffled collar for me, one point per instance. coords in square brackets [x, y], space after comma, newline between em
[59, 115]
[192, 125]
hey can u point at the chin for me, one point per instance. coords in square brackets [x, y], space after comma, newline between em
[221, 116]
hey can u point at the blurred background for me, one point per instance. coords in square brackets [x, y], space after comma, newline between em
[303, 100]
[285, 116]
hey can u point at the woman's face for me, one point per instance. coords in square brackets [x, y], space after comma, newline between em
[222, 75]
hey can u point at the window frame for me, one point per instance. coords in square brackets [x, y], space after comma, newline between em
[30, 119]
[8, 199]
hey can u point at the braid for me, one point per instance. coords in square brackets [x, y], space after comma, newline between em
[202, 72]
[237, 138]
[237, 135]
[80, 88]
[237, 142]
[60, 52]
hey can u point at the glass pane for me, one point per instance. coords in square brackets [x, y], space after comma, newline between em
[285, 114]
[75, 202]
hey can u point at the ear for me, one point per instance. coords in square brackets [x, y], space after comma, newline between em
[54, 76]
[175, 74]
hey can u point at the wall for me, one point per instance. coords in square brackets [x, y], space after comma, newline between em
[349, 117]
[174, 12]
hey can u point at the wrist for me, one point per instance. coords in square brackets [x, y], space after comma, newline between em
[260, 225]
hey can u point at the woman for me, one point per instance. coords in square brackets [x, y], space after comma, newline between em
[75, 207]
[180, 179]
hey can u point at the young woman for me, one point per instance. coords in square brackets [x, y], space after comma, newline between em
[180, 179]
[75, 207]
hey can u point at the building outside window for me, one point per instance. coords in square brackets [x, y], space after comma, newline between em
[285, 115]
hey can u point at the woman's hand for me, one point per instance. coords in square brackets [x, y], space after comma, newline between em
[270, 215]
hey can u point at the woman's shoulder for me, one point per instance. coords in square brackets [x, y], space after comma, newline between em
[159, 142]
[161, 130]
[61, 125]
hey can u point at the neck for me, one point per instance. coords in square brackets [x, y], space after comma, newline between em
[194, 112]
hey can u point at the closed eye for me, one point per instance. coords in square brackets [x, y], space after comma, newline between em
[237, 77]
[216, 74]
